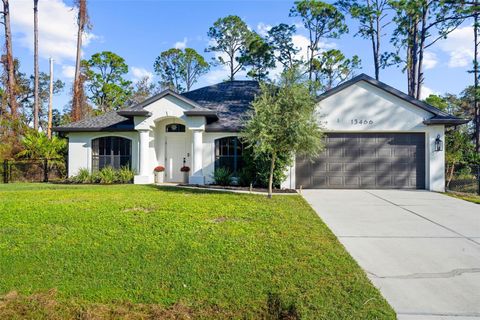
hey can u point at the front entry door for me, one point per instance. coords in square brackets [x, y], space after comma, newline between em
[175, 152]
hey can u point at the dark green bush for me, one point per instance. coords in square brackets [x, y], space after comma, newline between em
[259, 168]
[222, 176]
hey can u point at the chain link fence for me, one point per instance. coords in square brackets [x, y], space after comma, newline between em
[33, 170]
[465, 179]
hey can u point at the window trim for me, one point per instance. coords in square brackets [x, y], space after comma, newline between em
[181, 128]
[236, 157]
[95, 156]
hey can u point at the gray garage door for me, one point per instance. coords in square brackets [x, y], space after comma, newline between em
[371, 160]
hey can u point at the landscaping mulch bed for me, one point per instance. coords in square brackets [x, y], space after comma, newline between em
[237, 188]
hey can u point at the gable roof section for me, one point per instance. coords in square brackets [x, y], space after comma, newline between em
[439, 116]
[230, 101]
[109, 121]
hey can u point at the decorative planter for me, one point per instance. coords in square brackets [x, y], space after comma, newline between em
[159, 175]
[185, 177]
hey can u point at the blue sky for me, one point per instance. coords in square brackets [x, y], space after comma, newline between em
[139, 30]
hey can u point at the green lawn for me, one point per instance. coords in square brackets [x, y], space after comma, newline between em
[94, 252]
[466, 196]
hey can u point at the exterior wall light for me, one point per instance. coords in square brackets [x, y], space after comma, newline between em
[438, 144]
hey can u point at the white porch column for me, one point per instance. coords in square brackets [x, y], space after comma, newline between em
[144, 176]
[197, 172]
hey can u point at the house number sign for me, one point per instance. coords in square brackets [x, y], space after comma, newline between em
[361, 122]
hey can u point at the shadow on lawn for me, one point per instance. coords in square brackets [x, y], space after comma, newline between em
[180, 189]
[46, 306]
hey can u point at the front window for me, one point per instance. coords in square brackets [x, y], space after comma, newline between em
[115, 152]
[228, 154]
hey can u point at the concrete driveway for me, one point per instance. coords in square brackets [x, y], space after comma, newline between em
[421, 249]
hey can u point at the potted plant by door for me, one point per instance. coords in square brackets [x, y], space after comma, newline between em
[159, 173]
[185, 171]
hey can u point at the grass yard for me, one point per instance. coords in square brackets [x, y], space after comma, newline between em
[141, 252]
[466, 196]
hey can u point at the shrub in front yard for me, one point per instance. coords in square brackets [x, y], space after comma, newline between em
[125, 175]
[222, 176]
[106, 175]
[83, 176]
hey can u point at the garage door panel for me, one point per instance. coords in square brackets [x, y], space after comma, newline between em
[352, 181]
[366, 160]
[384, 181]
[336, 181]
[335, 167]
[368, 182]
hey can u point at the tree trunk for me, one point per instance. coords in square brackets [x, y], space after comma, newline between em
[35, 63]
[50, 100]
[475, 73]
[270, 178]
[450, 174]
[423, 38]
[412, 59]
[9, 64]
[375, 39]
[77, 106]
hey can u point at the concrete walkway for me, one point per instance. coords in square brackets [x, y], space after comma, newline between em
[421, 249]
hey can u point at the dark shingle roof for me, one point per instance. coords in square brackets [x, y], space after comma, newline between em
[230, 100]
[109, 121]
[225, 104]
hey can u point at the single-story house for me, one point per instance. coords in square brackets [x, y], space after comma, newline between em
[376, 137]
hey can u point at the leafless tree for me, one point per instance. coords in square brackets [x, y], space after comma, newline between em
[83, 22]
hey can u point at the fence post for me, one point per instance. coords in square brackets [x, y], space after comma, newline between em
[45, 170]
[5, 171]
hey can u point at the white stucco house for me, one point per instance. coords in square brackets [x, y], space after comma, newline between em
[376, 137]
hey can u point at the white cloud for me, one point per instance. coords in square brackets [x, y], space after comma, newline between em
[57, 28]
[140, 73]
[68, 71]
[430, 60]
[459, 46]
[181, 44]
[426, 91]
[263, 29]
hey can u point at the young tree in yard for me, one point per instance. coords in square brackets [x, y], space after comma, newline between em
[258, 55]
[283, 122]
[418, 25]
[8, 61]
[229, 37]
[78, 99]
[371, 16]
[332, 67]
[36, 104]
[322, 20]
[179, 70]
[108, 88]
[280, 39]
